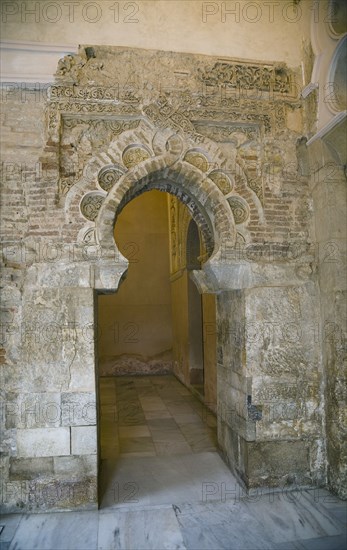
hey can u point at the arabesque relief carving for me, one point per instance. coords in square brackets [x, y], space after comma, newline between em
[80, 137]
[248, 76]
[198, 159]
[239, 209]
[133, 155]
[91, 204]
[104, 92]
[109, 175]
[222, 181]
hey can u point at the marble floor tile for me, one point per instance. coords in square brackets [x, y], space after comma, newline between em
[178, 407]
[138, 454]
[147, 391]
[141, 381]
[172, 436]
[223, 538]
[107, 398]
[181, 501]
[163, 423]
[147, 407]
[129, 418]
[150, 415]
[152, 403]
[187, 419]
[148, 529]
[58, 531]
[168, 448]
[111, 416]
[10, 524]
[134, 431]
[286, 520]
[125, 381]
[109, 452]
[136, 445]
[168, 479]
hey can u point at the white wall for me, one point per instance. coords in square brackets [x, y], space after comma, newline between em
[259, 30]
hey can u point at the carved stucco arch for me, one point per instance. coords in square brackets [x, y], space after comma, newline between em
[205, 201]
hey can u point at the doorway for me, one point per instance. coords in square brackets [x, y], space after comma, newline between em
[148, 416]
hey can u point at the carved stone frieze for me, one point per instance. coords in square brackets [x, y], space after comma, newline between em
[91, 204]
[165, 116]
[109, 175]
[114, 126]
[222, 181]
[139, 73]
[134, 154]
[240, 209]
[71, 107]
[89, 236]
[256, 185]
[226, 132]
[80, 137]
[248, 76]
[198, 159]
[93, 93]
[269, 115]
[104, 91]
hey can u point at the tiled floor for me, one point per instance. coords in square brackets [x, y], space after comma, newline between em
[153, 416]
[279, 522]
[164, 486]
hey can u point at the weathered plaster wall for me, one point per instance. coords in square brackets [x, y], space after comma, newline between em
[135, 333]
[257, 29]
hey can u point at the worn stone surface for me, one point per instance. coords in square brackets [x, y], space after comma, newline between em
[30, 468]
[78, 409]
[41, 442]
[330, 199]
[83, 440]
[279, 463]
[75, 466]
[273, 252]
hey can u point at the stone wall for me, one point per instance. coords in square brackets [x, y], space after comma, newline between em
[328, 184]
[270, 385]
[326, 163]
[48, 408]
[223, 138]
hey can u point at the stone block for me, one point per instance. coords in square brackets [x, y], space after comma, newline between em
[83, 440]
[57, 340]
[33, 410]
[75, 466]
[42, 442]
[78, 409]
[278, 463]
[64, 275]
[30, 468]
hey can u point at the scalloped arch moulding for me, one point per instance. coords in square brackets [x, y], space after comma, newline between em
[114, 139]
